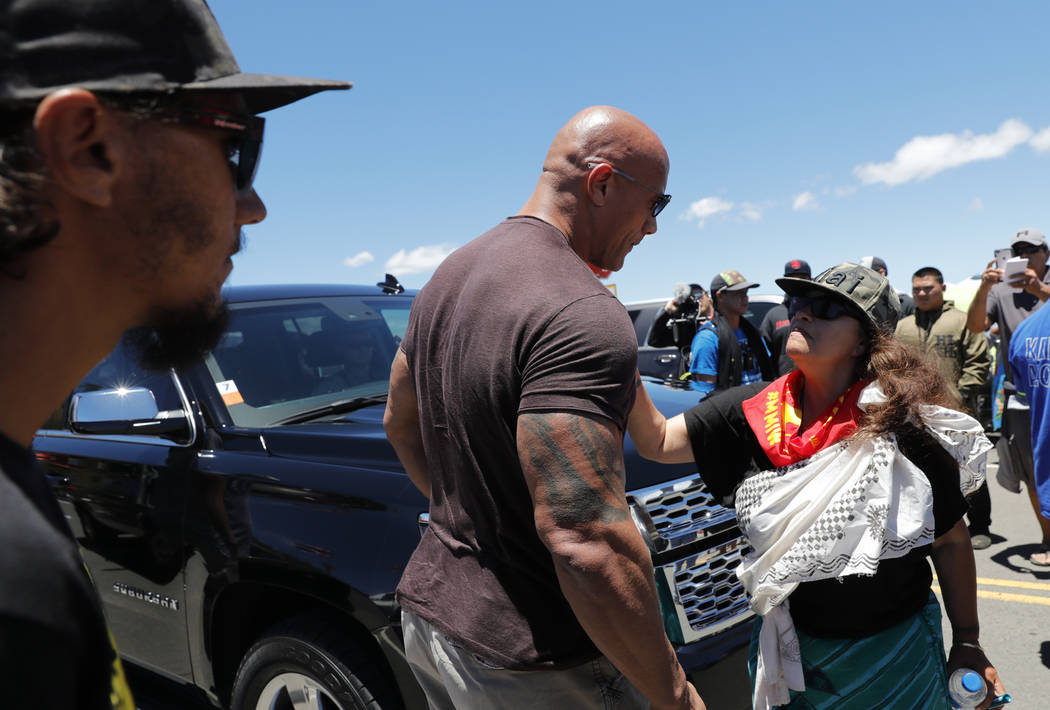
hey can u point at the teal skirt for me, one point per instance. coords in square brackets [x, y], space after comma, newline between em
[901, 668]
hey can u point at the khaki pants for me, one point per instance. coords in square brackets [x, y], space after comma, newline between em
[455, 679]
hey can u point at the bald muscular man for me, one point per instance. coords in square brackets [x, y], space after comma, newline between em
[508, 403]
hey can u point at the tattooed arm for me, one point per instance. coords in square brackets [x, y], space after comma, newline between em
[401, 421]
[573, 465]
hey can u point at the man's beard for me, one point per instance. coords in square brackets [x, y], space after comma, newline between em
[177, 338]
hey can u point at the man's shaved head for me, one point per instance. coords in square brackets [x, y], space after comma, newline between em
[603, 133]
[602, 184]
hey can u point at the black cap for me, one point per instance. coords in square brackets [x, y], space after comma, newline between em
[797, 266]
[131, 47]
[865, 290]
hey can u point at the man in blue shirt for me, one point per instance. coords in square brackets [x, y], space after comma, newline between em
[1030, 362]
[727, 350]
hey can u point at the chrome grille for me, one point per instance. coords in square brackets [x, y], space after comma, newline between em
[704, 589]
[679, 512]
[700, 594]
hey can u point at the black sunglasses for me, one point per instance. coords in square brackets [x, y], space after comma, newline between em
[243, 146]
[658, 204]
[1026, 250]
[818, 307]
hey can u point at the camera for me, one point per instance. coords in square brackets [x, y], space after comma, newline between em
[679, 327]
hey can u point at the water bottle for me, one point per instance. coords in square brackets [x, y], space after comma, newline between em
[966, 689]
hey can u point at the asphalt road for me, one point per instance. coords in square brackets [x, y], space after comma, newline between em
[1013, 600]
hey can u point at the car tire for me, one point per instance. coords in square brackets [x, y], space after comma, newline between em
[306, 662]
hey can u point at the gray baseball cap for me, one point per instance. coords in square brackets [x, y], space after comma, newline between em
[868, 292]
[129, 47]
[1029, 236]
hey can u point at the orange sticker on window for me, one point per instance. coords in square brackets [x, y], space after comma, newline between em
[230, 394]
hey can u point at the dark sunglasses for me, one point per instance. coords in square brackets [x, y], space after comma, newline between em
[243, 144]
[658, 204]
[1026, 250]
[818, 307]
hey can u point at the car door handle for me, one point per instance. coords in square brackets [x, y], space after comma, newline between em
[666, 359]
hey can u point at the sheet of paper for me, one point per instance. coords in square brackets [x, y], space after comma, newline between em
[1014, 267]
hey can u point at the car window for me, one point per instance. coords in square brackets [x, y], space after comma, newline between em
[281, 358]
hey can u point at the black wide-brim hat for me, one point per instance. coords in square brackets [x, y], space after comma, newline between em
[129, 47]
[867, 292]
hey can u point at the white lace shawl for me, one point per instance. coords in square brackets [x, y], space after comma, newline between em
[838, 513]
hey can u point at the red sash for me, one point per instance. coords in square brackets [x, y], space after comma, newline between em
[775, 415]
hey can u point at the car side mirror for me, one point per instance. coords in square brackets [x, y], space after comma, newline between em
[124, 411]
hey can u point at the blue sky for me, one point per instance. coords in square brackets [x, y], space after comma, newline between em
[823, 131]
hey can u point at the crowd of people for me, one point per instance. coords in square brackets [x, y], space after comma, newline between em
[842, 438]
[130, 140]
[724, 353]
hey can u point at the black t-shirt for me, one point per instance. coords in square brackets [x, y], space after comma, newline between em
[55, 648]
[727, 452]
[513, 322]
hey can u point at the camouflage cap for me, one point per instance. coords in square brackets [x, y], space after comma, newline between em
[867, 291]
[731, 280]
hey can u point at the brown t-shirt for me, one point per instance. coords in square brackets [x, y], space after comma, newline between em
[512, 322]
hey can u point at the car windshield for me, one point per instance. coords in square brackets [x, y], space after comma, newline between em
[281, 358]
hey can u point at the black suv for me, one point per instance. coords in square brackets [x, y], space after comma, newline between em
[246, 521]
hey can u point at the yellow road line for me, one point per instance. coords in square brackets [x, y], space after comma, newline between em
[1005, 597]
[1038, 586]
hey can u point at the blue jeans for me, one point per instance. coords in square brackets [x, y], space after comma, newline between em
[456, 679]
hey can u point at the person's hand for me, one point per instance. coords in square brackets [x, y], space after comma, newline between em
[974, 658]
[670, 306]
[991, 275]
[691, 699]
[695, 701]
[1030, 282]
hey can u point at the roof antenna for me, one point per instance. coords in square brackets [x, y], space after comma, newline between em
[391, 285]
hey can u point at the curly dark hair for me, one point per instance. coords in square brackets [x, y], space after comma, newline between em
[25, 222]
[909, 380]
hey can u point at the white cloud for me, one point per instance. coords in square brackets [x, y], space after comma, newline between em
[751, 211]
[419, 260]
[359, 259]
[925, 156]
[845, 191]
[706, 207]
[805, 201]
[976, 205]
[1040, 142]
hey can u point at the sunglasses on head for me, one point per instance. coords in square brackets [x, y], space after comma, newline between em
[244, 141]
[818, 307]
[1025, 249]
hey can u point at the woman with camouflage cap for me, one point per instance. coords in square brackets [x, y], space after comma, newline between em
[845, 475]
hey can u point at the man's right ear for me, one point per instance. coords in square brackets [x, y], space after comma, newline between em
[597, 183]
[82, 144]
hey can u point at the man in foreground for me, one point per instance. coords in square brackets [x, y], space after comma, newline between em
[508, 402]
[129, 144]
[938, 329]
[1007, 305]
